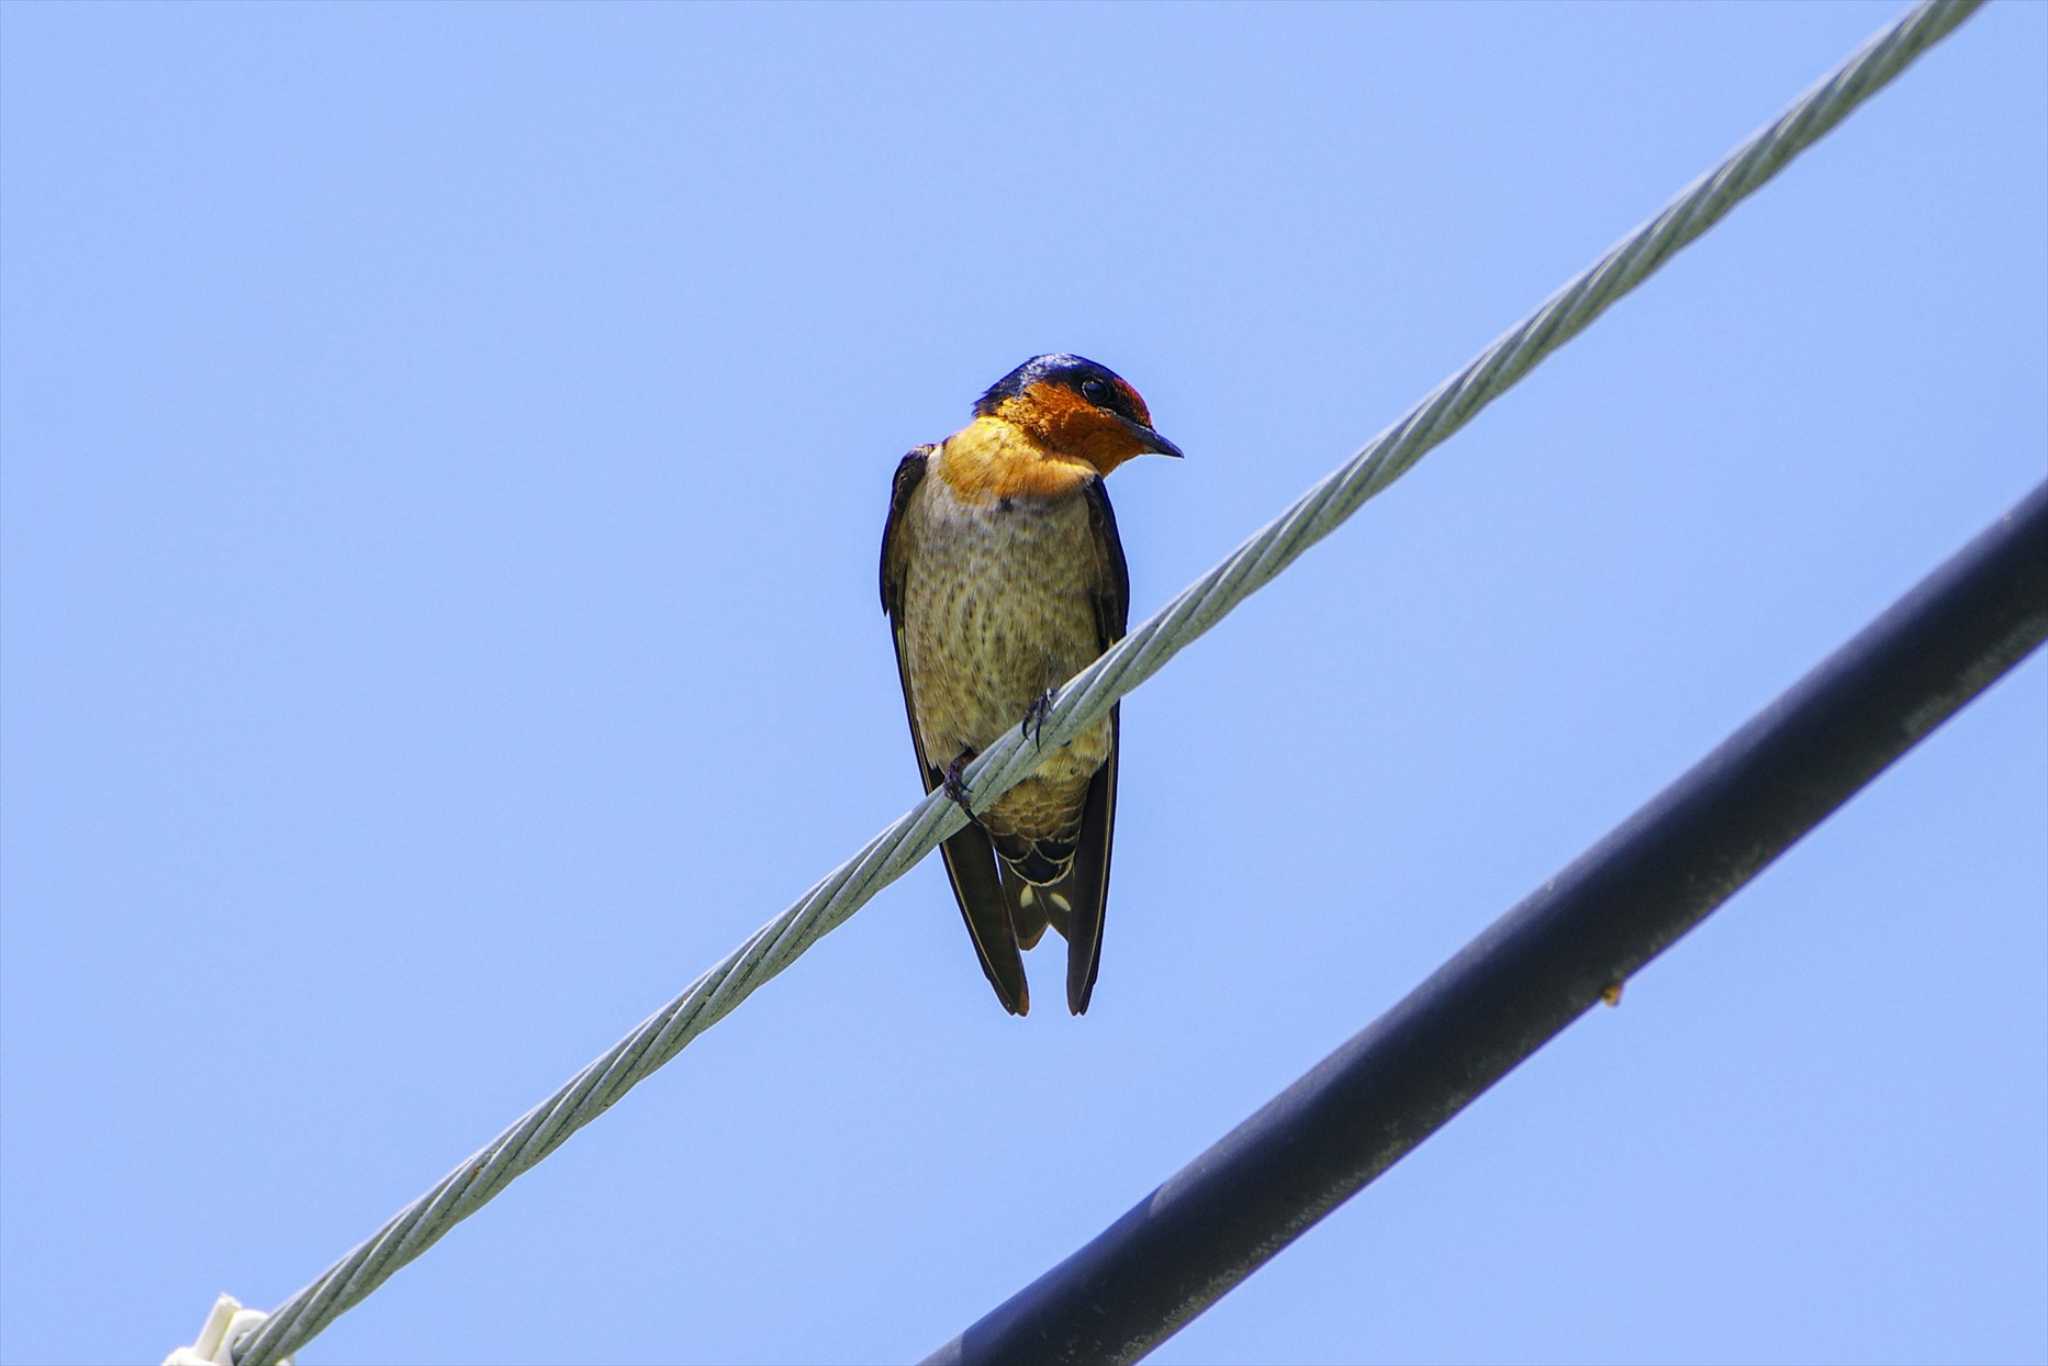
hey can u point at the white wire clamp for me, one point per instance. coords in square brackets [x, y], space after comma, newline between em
[225, 1322]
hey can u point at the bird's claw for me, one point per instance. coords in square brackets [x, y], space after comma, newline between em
[955, 786]
[1034, 718]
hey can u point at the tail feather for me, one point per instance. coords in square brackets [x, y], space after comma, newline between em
[1063, 881]
[1027, 910]
[972, 866]
[1037, 874]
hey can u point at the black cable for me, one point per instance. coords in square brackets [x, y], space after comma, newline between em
[1537, 968]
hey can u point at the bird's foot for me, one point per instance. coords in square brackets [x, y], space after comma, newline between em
[1034, 717]
[955, 786]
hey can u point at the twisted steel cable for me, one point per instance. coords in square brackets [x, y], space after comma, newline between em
[1089, 694]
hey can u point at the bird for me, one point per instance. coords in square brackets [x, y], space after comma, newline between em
[1003, 576]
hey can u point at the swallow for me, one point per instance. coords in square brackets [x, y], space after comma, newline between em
[1002, 577]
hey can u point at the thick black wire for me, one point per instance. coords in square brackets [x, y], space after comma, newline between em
[1537, 968]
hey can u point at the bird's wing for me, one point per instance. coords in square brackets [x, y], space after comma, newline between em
[909, 474]
[970, 858]
[1111, 596]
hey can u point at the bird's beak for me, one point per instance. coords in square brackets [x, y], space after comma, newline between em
[1151, 440]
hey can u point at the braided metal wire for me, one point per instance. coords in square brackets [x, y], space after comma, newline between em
[1090, 693]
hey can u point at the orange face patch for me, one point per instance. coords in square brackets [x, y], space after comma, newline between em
[1064, 423]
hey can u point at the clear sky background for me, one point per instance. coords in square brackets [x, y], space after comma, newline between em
[445, 454]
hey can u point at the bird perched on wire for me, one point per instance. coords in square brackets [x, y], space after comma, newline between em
[1002, 576]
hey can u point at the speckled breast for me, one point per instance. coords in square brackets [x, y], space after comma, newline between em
[996, 610]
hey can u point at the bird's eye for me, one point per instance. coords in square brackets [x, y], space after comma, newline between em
[1095, 391]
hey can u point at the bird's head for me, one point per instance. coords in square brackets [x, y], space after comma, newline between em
[1070, 406]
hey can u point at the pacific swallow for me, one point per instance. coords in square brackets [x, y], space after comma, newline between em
[1002, 577]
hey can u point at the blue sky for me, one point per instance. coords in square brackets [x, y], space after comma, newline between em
[444, 456]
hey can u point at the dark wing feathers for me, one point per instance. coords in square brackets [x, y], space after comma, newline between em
[1090, 878]
[970, 858]
[1113, 594]
[909, 472]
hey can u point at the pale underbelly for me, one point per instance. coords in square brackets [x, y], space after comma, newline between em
[991, 621]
